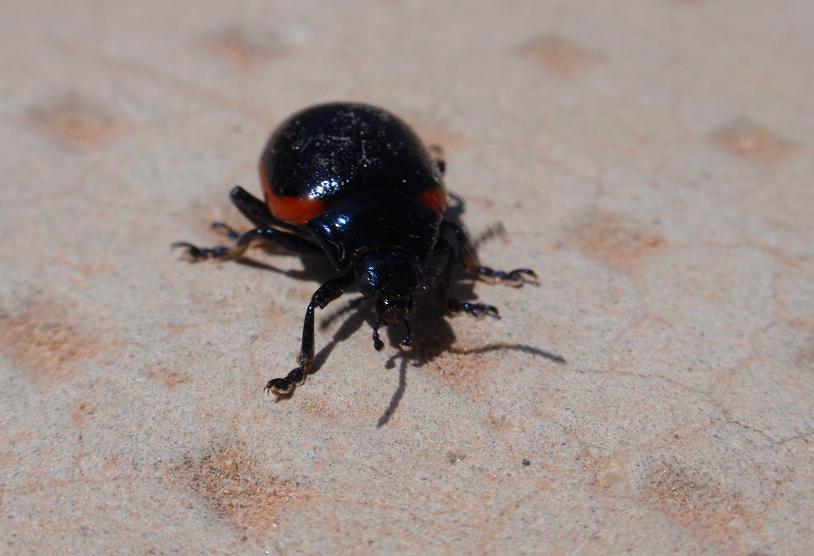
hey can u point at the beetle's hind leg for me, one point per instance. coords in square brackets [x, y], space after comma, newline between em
[469, 258]
[256, 210]
[326, 293]
[288, 241]
[437, 153]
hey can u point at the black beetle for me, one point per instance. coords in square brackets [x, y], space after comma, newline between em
[354, 183]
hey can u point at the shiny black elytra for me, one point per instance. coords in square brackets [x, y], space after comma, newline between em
[354, 183]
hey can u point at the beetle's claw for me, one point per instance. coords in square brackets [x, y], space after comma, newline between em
[279, 386]
[192, 252]
[225, 229]
[520, 276]
[491, 310]
[481, 310]
[284, 387]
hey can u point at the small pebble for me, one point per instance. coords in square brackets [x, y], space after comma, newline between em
[526, 462]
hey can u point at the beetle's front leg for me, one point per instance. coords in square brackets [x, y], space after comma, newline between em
[469, 259]
[326, 293]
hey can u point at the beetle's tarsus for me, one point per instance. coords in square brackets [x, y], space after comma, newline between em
[515, 278]
[478, 310]
[195, 253]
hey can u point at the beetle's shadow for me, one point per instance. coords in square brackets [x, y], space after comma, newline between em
[432, 332]
[433, 335]
[314, 268]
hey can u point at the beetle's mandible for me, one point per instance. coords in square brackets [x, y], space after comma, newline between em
[353, 183]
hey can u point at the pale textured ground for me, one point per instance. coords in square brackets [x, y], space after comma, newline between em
[652, 159]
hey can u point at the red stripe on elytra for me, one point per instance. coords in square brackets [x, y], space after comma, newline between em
[434, 198]
[291, 210]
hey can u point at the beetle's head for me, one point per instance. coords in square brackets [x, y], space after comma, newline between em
[388, 279]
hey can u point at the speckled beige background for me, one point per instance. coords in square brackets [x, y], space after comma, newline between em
[652, 159]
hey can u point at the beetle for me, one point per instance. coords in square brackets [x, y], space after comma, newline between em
[354, 183]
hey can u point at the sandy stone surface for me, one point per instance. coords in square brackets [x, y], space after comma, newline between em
[652, 159]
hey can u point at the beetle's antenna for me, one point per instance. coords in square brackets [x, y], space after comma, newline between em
[406, 343]
[377, 342]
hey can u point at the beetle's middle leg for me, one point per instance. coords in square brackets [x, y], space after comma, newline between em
[444, 281]
[469, 258]
[326, 293]
[288, 241]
